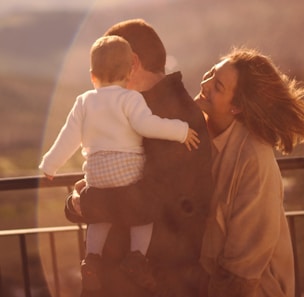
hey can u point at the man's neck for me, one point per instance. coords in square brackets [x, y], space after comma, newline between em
[146, 80]
[151, 80]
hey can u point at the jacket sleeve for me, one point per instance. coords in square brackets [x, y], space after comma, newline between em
[225, 283]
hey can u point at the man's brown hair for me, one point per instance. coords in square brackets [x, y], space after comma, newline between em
[144, 42]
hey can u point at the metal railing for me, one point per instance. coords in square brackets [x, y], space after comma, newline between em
[68, 180]
[35, 182]
[23, 233]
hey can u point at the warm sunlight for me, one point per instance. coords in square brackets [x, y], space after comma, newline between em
[45, 61]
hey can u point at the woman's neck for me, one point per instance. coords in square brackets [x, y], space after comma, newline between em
[217, 126]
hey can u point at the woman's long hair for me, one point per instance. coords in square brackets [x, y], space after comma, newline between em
[272, 104]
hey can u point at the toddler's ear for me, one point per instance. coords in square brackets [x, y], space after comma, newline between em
[93, 78]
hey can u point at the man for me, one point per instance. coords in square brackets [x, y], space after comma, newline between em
[174, 193]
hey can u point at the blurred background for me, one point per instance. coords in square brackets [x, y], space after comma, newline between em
[44, 55]
[44, 65]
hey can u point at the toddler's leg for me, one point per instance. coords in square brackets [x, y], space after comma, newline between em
[96, 237]
[136, 265]
[141, 237]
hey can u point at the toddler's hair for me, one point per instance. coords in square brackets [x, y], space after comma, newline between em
[111, 58]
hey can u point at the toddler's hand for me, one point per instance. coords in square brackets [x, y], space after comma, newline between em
[192, 139]
[49, 177]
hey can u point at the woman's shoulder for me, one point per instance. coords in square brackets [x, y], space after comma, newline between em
[256, 145]
[257, 152]
[249, 143]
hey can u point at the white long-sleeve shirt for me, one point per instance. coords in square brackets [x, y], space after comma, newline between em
[109, 119]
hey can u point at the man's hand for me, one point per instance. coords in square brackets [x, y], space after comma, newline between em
[79, 185]
[192, 139]
[76, 202]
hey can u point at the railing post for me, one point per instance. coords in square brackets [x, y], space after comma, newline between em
[81, 242]
[54, 264]
[25, 266]
[1, 287]
[292, 232]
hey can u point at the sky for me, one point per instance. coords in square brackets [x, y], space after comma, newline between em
[19, 5]
[9, 6]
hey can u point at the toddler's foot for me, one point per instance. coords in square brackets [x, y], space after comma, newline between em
[137, 267]
[90, 272]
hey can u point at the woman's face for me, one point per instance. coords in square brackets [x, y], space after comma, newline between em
[217, 91]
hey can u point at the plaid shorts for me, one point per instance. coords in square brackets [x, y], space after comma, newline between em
[108, 169]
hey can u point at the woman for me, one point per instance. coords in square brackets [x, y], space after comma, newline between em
[250, 108]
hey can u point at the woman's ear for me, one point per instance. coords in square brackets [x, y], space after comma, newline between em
[235, 110]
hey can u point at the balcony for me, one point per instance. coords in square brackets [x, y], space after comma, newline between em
[44, 261]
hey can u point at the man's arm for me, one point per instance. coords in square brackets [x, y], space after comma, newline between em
[129, 205]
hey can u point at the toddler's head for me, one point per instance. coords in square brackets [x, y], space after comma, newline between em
[111, 59]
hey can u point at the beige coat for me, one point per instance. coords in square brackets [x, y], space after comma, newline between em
[247, 249]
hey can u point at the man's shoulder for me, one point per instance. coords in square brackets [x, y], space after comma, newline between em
[167, 94]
